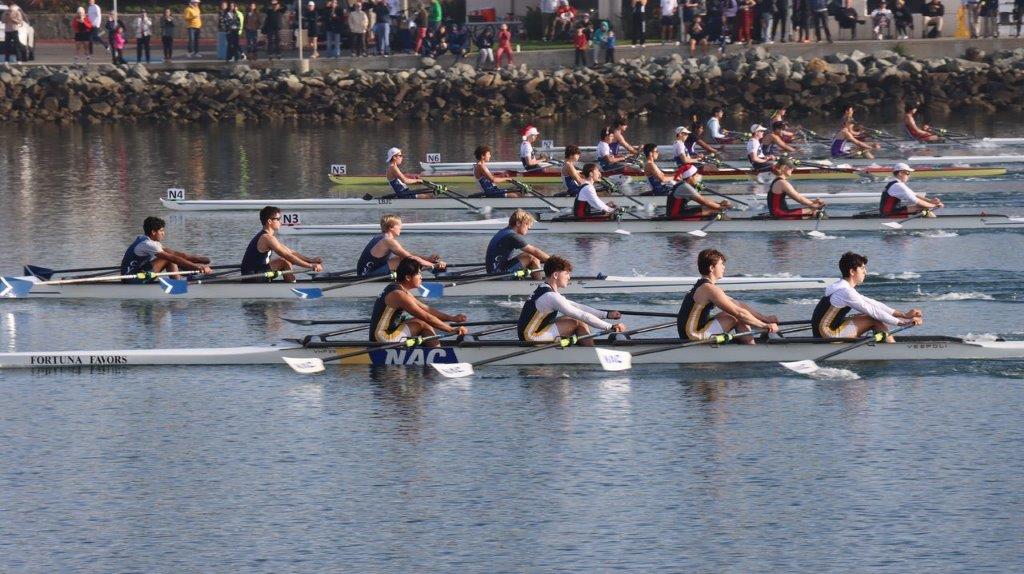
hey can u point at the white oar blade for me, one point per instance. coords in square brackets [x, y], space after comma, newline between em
[803, 367]
[614, 360]
[453, 370]
[892, 225]
[623, 232]
[816, 234]
[305, 366]
[698, 233]
[308, 292]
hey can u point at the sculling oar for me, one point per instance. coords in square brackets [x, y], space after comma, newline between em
[834, 168]
[45, 274]
[705, 189]
[527, 189]
[815, 233]
[315, 365]
[318, 292]
[610, 360]
[701, 232]
[435, 290]
[713, 340]
[15, 287]
[365, 324]
[180, 286]
[443, 190]
[311, 322]
[664, 314]
[614, 190]
[808, 367]
[899, 224]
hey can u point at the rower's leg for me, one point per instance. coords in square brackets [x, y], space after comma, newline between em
[418, 328]
[165, 266]
[864, 323]
[567, 326]
[278, 264]
[730, 323]
[530, 262]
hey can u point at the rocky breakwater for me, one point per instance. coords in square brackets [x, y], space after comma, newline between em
[753, 82]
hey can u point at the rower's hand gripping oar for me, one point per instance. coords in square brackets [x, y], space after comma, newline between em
[899, 224]
[808, 367]
[316, 365]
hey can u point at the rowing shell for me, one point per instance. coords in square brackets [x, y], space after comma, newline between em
[609, 285]
[789, 349]
[654, 225]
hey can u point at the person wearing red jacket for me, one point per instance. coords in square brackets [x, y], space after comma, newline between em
[504, 46]
[580, 42]
[82, 27]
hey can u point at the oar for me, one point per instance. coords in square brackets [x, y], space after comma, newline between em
[45, 274]
[834, 168]
[946, 133]
[315, 365]
[610, 360]
[14, 287]
[317, 292]
[701, 232]
[436, 290]
[614, 190]
[311, 322]
[815, 233]
[808, 367]
[180, 286]
[365, 324]
[442, 190]
[713, 340]
[664, 314]
[899, 224]
[527, 189]
[722, 195]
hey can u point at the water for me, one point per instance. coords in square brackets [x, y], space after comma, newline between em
[670, 468]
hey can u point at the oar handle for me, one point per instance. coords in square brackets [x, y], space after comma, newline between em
[518, 274]
[360, 282]
[410, 342]
[874, 338]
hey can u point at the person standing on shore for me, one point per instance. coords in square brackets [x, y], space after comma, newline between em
[112, 26]
[357, 24]
[334, 25]
[436, 15]
[96, 19]
[253, 22]
[485, 44]
[167, 26]
[272, 29]
[82, 27]
[639, 10]
[13, 21]
[779, 23]
[143, 33]
[311, 18]
[504, 46]
[231, 25]
[194, 23]
[382, 28]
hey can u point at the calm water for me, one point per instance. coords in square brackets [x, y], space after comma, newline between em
[911, 467]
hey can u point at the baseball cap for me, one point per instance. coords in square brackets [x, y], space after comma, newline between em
[530, 131]
[682, 130]
[757, 128]
[902, 167]
[393, 152]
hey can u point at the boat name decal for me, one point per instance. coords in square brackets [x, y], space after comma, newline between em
[413, 356]
[78, 360]
[936, 345]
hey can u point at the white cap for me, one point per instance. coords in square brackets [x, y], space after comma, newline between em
[902, 167]
[757, 128]
[682, 130]
[686, 170]
[311, 3]
[530, 131]
[392, 153]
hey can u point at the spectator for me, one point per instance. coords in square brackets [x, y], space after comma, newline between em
[117, 40]
[973, 8]
[767, 8]
[273, 23]
[847, 18]
[609, 48]
[600, 38]
[357, 25]
[1018, 14]
[485, 44]
[82, 27]
[881, 19]
[744, 21]
[231, 24]
[436, 14]
[801, 21]
[311, 23]
[730, 8]
[639, 22]
[504, 46]
[193, 23]
[13, 21]
[713, 20]
[143, 33]
[334, 25]
[820, 16]
[668, 19]
[382, 28]
[253, 23]
[781, 13]
[422, 20]
[904, 19]
[96, 19]
[580, 43]
[371, 18]
[932, 18]
[167, 26]
[547, 18]
[687, 10]
[989, 18]
[458, 42]
[437, 42]
[698, 34]
[564, 16]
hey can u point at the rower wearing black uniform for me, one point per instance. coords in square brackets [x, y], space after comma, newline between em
[695, 321]
[695, 140]
[539, 319]
[682, 153]
[685, 201]
[487, 180]
[758, 160]
[619, 145]
[388, 325]
[898, 200]
[531, 161]
[609, 161]
[661, 184]
[570, 175]
[500, 259]
[775, 143]
[781, 188]
[257, 254]
[832, 319]
[147, 254]
[383, 252]
[588, 206]
[399, 182]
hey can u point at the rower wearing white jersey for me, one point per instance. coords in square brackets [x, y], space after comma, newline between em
[695, 321]
[619, 145]
[831, 317]
[531, 161]
[920, 134]
[257, 256]
[399, 182]
[898, 200]
[570, 174]
[540, 320]
[846, 143]
[383, 252]
[714, 127]
[758, 160]
[775, 142]
[387, 324]
[501, 257]
[487, 180]
[682, 150]
[588, 206]
[610, 161]
[661, 183]
[781, 188]
[147, 254]
[685, 201]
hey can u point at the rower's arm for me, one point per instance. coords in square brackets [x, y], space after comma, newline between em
[588, 315]
[726, 303]
[706, 202]
[494, 179]
[536, 252]
[408, 180]
[286, 253]
[410, 305]
[872, 308]
[850, 137]
[622, 141]
[783, 145]
[402, 252]
[183, 260]
[707, 147]
[796, 195]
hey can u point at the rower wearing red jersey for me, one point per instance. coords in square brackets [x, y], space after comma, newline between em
[685, 201]
[898, 200]
[588, 206]
[487, 180]
[695, 321]
[257, 256]
[831, 318]
[921, 134]
[781, 189]
[388, 325]
[531, 160]
[845, 143]
[383, 252]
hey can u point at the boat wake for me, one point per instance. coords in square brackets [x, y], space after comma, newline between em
[834, 374]
[954, 296]
[937, 234]
[510, 304]
[901, 276]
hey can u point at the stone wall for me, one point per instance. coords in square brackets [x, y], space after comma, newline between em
[753, 82]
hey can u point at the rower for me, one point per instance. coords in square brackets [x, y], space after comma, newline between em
[682, 149]
[780, 116]
[831, 319]
[661, 184]
[539, 319]
[898, 200]
[383, 252]
[398, 181]
[570, 174]
[845, 142]
[619, 143]
[676, 204]
[781, 188]
[758, 160]
[487, 180]
[609, 161]
[499, 258]
[531, 161]
[148, 255]
[588, 206]
[695, 321]
[696, 139]
[920, 134]
[714, 125]
[257, 254]
[388, 325]
[775, 142]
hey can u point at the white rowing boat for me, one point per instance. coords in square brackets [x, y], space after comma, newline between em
[446, 287]
[398, 205]
[790, 349]
[625, 226]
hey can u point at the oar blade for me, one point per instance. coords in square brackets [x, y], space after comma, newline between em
[698, 233]
[308, 292]
[892, 225]
[173, 286]
[14, 287]
[816, 234]
[807, 367]
[623, 232]
[614, 360]
[453, 370]
[432, 290]
[41, 272]
[305, 366]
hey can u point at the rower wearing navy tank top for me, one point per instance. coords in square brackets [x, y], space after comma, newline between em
[539, 319]
[898, 200]
[660, 183]
[570, 175]
[695, 321]
[695, 144]
[845, 143]
[257, 257]
[531, 161]
[383, 252]
[609, 161]
[685, 201]
[501, 257]
[400, 182]
[487, 180]
[775, 143]
[147, 254]
[619, 145]
[588, 206]
[781, 188]
[388, 325]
